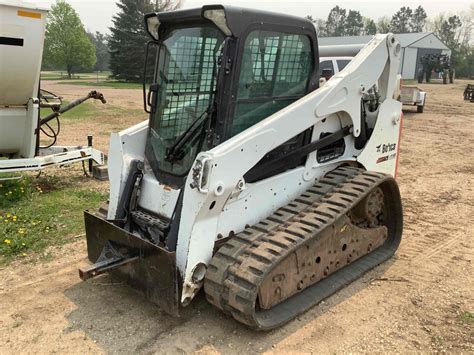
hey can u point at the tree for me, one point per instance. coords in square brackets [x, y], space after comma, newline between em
[336, 22]
[401, 21]
[448, 30]
[449, 34]
[418, 21]
[354, 24]
[465, 66]
[321, 27]
[370, 28]
[128, 39]
[406, 20]
[383, 25]
[434, 25]
[101, 50]
[456, 32]
[467, 19]
[66, 44]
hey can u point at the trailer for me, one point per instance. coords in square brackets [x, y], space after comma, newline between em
[412, 95]
[22, 32]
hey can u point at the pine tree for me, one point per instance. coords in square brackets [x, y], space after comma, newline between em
[101, 50]
[401, 21]
[370, 28]
[418, 21]
[336, 21]
[354, 24]
[128, 39]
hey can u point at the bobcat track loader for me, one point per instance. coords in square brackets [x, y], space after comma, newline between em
[248, 180]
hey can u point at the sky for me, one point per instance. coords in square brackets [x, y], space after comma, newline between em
[97, 14]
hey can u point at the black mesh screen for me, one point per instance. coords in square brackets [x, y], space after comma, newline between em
[276, 68]
[294, 61]
[186, 71]
[190, 82]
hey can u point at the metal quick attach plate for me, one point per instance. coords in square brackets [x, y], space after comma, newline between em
[153, 269]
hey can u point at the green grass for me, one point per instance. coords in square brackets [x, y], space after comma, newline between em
[95, 110]
[96, 113]
[50, 77]
[58, 75]
[37, 213]
[86, 111]
[108, 83]
[467, 317]
[89, 79]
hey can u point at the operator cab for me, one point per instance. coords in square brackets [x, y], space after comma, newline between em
[219, 70]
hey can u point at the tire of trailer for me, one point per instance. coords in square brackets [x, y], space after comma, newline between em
[420, 77]
[420, 108]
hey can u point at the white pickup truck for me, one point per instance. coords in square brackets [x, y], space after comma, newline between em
[328, 66]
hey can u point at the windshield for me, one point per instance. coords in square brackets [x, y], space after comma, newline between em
[186, 77]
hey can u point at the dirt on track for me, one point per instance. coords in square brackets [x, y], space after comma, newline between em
[415, 302]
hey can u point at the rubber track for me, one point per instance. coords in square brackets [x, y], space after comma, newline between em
[240, 265]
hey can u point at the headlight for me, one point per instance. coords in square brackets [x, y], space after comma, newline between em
[152, 26]
[218, 17]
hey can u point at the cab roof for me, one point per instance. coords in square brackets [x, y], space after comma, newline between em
[238, 19]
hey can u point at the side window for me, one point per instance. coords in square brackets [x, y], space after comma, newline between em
[326, 67]
[342, 63]
[275, 72]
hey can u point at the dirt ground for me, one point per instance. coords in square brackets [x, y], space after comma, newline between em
[415, 302]
[131, 98]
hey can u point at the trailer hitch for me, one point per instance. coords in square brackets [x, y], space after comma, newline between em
[57, 112]
[109, 259]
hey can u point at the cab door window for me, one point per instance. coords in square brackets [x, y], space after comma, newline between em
[275, 72]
